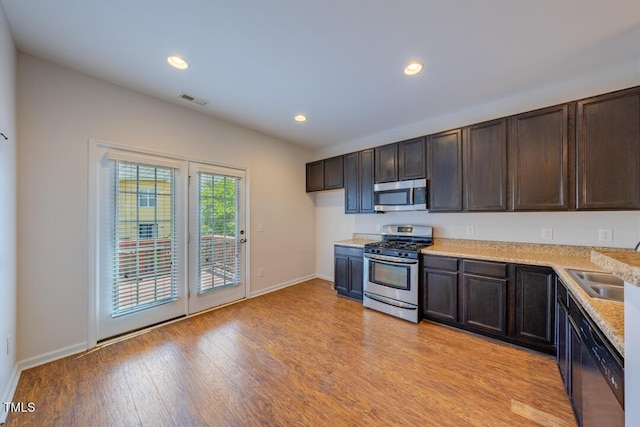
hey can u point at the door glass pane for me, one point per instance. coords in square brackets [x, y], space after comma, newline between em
[393, 197]
[145, 267]
[395, 276]
[219, 248]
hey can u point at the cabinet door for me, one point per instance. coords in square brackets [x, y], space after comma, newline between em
[485, 304]
[440, 295]
[341, 274]
[575, 345]
[563, 332]
[366, 181]
[315, 176]
[485, 166]
[358, 182]
[386, 158]
[355, 277]
[351, 183]
[348, 265]
[534, 312]
[608, 172]
[412, 162]
[333, 173]
[539, 170]
[445, 171]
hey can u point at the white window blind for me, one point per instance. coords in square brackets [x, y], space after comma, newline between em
[219, 246]
[144, 237]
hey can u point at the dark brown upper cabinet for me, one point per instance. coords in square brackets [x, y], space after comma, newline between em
[315, 176]
[608, 166]
[386, 161]
[445, 171]
[325, 174]
[401, 161]
[412, 159]
[539, 159]
[358, 182]
[485, 166]
[333, 173]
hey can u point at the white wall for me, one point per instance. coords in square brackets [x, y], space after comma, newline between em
[331, 225]
[570, 228]
[609, 78]
[58, 110]
[631, 353]
[8, 163]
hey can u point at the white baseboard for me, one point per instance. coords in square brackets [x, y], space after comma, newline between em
[7, 396]
[325, 277]
[281, 286]
[51, 356]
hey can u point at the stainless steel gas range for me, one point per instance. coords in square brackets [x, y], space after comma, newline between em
[392, 268]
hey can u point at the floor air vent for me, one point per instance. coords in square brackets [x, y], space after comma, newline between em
[195, 99]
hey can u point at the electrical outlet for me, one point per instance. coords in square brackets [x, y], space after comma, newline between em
[378, 227]
[547, 233]
[261, 272]
[470, 230]
[605, 235]
[8, 345]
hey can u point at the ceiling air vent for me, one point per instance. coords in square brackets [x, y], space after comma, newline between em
[195, 99]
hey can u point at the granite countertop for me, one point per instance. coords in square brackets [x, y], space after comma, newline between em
[359, 240]
[625, 265]
[356, 243]
[608, 315]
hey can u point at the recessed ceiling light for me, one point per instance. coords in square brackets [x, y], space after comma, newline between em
[413, 68]
[178, 62]
[300, 118]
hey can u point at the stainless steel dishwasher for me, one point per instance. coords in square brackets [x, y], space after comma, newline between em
[602, 378]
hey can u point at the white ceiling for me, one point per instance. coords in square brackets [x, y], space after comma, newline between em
[260, 62]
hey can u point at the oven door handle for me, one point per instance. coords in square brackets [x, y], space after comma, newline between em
[391, 302]
[390, 260]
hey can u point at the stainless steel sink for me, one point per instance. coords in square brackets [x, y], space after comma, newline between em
[599, 285]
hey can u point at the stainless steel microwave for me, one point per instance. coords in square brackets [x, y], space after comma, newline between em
[400, 196]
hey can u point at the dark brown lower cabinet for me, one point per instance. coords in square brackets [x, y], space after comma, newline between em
[348, 271]
[484, 290]
[440, 289]
[513, 303]
[563, 333]
[535, 306]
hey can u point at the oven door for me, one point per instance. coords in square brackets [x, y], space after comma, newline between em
[391, 277]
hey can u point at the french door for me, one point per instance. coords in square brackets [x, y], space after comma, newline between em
[217, 236]
[168, 244]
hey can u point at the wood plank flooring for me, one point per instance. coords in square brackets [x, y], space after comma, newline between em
[297, 357]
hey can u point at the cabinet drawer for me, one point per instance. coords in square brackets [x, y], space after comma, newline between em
[440, 263]
[348, 251]
[484, 268]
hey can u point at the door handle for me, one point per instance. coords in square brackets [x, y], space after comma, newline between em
[243, 241]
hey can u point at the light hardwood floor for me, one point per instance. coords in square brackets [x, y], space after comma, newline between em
[297, 357]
